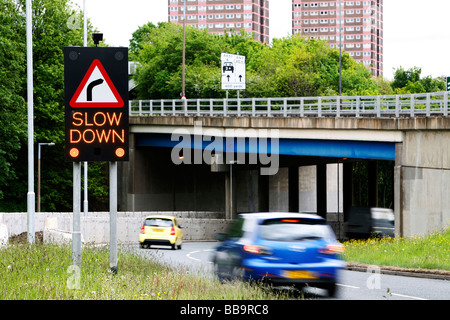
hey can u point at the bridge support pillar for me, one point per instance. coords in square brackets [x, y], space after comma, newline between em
[422, 182]
[347, 191]
[293, 189]
[321, 187]
[373, 184]
[279, 191]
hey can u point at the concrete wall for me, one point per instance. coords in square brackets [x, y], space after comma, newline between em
[95, 226]
[423, 182]
[279, 191]
[307, 189]
[3, 235]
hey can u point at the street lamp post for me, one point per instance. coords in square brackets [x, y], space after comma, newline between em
[39, 173]
[340, 48]
[183, 73]
[30, 194]
[85, 202]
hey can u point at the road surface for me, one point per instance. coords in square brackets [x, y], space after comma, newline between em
[353, 285]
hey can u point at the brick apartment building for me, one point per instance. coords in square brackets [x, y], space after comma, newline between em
[219, 16]
[361, 24]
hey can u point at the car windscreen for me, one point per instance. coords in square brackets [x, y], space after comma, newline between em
[382, 218]
[158, 222]
[295, 229]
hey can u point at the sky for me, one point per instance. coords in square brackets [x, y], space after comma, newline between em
[416, 32]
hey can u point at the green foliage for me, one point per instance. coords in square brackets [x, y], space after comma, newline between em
[410, 81]
[138, 39]
[13, 131]
[45, 272]
[291, 66]
[51, 32]
[402, 77]
[384, 184]
[423, 252]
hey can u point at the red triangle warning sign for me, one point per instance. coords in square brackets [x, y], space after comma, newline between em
[96, 90]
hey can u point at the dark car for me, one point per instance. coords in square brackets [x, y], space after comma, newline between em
[366, 222]
[284, 249]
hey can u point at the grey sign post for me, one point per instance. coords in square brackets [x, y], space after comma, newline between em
[233, 78]
[96, 118]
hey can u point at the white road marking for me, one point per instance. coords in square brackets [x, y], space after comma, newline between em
[197, 251]
[394, 294]
[347, 286]
[405, 296]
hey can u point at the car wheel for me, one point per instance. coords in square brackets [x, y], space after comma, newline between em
[331, 289]
[237, 273]
[219, 276]
[179, 246]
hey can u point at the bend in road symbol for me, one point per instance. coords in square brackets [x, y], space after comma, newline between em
[90, 87]
[96, 90]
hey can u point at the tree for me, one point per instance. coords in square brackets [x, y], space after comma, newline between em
[13, 130]
[433, 84]
[410, 81]
[138, 38]
[402, 76]
[292, 66]
[51, 32]
[161, 59]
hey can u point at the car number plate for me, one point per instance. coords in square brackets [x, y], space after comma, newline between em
[299, 274]
[158, 230]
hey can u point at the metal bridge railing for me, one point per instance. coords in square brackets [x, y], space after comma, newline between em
[409, 105]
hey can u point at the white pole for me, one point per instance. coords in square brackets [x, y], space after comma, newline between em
[231, 190]
[183, 73]
[30, 195]
[85, 202]
[340, 49]
[76, 232]
[113, 216]
[85, 23]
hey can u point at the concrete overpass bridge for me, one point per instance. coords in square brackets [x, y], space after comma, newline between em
[290, 154]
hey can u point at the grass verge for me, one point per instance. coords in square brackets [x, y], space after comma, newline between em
[43, 272]
[428, 252]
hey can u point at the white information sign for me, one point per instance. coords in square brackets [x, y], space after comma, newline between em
[233, 72]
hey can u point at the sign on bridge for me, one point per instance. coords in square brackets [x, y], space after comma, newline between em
[233, 72]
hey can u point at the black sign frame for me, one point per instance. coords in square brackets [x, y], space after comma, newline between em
[96, 132]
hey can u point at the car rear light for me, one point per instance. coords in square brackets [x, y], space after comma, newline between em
[251, 249]
[255, 249]
[143, 230]
[172, 231]
[332, 249]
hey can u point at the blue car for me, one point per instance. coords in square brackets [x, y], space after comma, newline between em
[284, 249]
